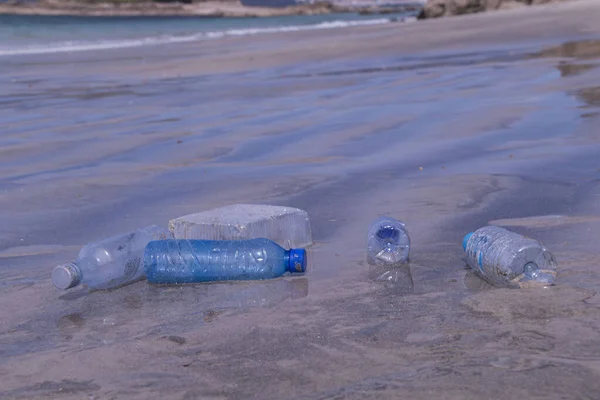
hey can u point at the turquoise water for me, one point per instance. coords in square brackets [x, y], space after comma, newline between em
[50, 34]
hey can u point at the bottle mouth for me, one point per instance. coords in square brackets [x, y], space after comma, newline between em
[388, 233]
[66, 276]
[533, 272]
[297, 261]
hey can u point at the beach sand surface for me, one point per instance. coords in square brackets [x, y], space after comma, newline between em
[447, 124]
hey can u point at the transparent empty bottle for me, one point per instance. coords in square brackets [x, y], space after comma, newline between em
[109, 263]
[505, 258]
[388, 242]
[190, 261]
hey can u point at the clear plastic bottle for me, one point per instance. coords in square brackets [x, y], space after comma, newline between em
[189, 261]
[388, 242]
[505, 258]
[109, 263]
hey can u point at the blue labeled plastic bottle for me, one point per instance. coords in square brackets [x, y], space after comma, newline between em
[180, 261]
[505, 258]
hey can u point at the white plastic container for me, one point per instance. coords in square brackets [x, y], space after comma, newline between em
[287, 226]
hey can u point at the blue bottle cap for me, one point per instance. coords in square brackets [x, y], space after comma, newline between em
[297, 261]
[466, 239]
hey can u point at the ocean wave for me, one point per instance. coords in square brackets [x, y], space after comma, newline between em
[72, 46]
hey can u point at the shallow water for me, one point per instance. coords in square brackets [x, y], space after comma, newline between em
[96, 144]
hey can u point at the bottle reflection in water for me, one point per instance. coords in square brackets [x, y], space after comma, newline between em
[264, 294]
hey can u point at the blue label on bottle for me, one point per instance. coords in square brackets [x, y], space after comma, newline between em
[476, 252]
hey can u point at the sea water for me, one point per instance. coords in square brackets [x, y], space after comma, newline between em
[25, 34]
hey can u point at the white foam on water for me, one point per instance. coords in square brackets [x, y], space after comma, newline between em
[72, 46]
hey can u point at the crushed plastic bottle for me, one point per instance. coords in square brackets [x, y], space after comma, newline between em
[180, 261]
[109, 263]
[287, 226]
[388, 243]
[505, 258]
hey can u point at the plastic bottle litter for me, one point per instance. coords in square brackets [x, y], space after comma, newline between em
[287, 226]
[189, 261]
[505, 258]
[109, 263]
[388, 242]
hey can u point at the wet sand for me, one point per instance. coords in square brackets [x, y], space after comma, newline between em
[447, 124]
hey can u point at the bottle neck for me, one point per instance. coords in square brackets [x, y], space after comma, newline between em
[287, 261]
[533, 272]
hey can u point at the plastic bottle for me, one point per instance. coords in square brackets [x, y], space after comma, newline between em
[189, 261]
[505, 258]
[388, 242]
[109, 263]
